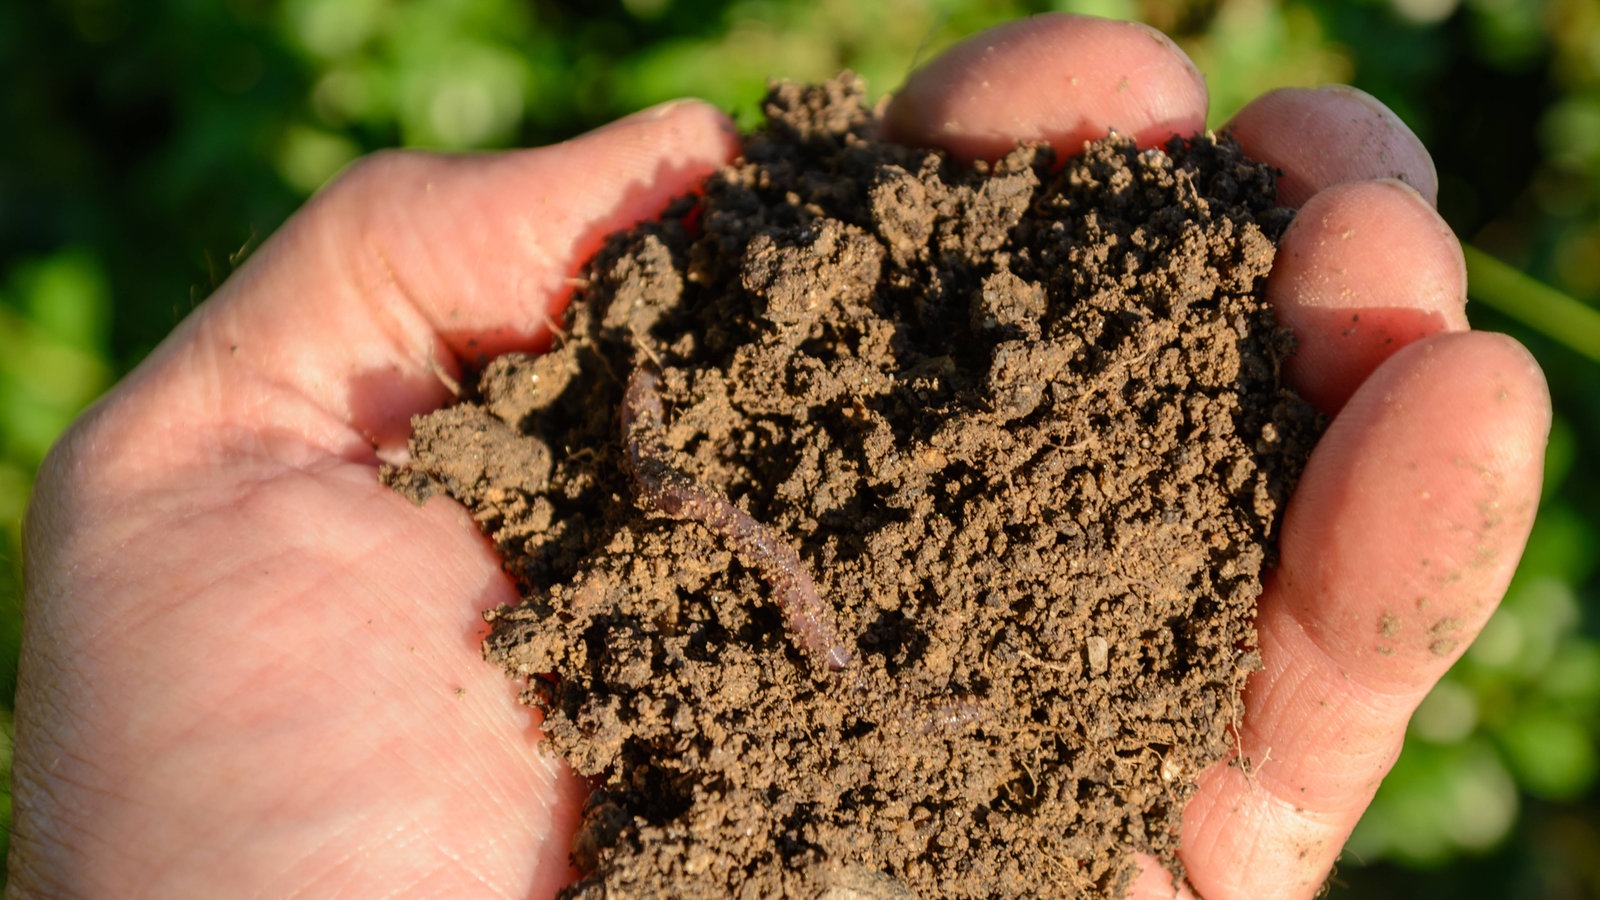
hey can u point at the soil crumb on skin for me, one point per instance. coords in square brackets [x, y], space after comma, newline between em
[889, 527]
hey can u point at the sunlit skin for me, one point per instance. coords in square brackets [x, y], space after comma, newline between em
[250, 670]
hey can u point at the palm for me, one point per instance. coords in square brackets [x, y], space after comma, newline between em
[248, 664]
[322, 708]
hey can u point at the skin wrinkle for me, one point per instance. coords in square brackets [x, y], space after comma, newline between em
[215, 429]
[539, 272]
[541, 322]
[71, 842]
[331, 875]
[309, 859]
[1309, 835]
[399, 334]
[94, 630]
[542, 763]
[404, 334]
[391, 309]
[311, 593]
[62, 763]
[176, 511]
[1355, 702]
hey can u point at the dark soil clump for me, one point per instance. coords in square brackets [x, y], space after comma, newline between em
[890, 527]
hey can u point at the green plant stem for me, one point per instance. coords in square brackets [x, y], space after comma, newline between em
[1537, 305]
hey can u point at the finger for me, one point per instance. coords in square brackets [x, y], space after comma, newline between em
[1365, 269]
[1320, 137]
[340, 326]
[1154, 882]
[1397, 546]
[1056, 78]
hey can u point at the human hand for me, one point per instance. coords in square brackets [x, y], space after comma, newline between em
[250, 668]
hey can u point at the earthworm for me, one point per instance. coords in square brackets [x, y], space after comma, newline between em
[665, 487]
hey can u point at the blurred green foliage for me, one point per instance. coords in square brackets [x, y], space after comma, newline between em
[149, 146]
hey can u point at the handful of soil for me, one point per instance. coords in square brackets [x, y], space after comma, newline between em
[889, 527]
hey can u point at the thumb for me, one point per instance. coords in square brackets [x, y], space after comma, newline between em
[337, 330]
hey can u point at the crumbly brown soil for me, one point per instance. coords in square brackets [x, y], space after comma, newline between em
[1024, 428]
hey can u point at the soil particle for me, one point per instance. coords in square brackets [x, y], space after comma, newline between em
[889, 527]
[1445, 636]
[1388, 625]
